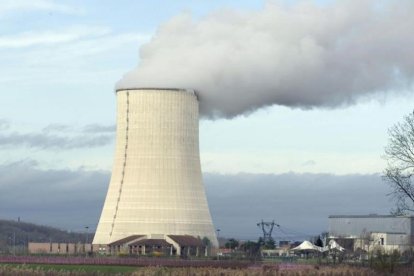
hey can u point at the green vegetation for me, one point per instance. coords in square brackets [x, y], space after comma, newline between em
[88, 269]
[232, 244]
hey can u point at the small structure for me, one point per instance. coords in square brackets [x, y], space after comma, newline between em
[333, 246]
[307, 246]
[151, 247]
[187, 245]
[121, 246]
[277, 252]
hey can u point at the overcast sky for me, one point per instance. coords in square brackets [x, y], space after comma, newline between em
[60, 61]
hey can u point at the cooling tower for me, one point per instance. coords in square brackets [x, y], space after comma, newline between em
[156, 187]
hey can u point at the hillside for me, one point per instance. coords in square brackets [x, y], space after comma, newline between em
[25, 232]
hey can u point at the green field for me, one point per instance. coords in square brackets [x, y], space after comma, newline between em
[89, 269]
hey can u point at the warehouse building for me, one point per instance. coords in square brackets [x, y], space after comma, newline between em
[61, 248]
[372, 232]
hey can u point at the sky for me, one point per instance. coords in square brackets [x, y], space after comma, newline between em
[59, 64]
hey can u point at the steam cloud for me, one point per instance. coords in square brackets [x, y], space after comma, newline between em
[302, 55]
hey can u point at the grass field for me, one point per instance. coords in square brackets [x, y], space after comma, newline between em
[74, 269]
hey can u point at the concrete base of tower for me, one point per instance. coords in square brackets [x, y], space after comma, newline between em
[159, 245]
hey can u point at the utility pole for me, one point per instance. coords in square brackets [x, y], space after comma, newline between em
[267, 228]
[218, 239]
[14, 243]
[86, 230]
[86, 240]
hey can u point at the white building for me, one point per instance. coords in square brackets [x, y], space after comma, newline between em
[372, 232]
[390, 241]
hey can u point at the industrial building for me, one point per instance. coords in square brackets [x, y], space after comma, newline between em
[62, 248]
[373, 232]
[171, 245]
[156, 190]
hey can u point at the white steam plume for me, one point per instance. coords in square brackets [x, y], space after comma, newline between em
[303, 55]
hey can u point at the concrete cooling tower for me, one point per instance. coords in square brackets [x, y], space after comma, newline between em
[156, 189]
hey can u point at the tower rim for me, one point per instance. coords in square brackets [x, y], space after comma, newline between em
[192, 91]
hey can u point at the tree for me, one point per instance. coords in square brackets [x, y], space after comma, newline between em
[206, 241]
[261, 242]
[319, 242]
[251, 248]
[270, 244]
[231, 244]
[399, 173]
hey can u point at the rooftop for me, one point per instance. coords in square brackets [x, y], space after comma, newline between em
[125, 240]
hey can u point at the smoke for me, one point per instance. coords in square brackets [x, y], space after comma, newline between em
[300, 55]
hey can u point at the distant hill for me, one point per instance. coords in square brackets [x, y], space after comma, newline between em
[25, 232]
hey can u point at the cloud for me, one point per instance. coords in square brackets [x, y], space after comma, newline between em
[67, 199]
[59, 137]
[95, 128]
[300, 203]
[56, 128]
[45, 141]
[4, 124]
[7, 6]
[87, 129]
[29, 39]
[82, 59]
[309, 163]
[301, 55]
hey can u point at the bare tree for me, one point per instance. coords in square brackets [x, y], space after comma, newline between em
[399, 173]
